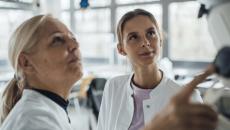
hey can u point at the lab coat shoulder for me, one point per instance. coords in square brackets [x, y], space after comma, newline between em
[113, 89]
[117, 83]
[36, 119]
[29, 118]
[33, 112]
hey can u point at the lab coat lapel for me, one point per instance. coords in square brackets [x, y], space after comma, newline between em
[154, 104]
[127, 106]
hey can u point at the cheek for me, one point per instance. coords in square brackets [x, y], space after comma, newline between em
[128, 49]
[156, 43]
[78, 53]
[52, 62]
[131, 53]
[45, 64]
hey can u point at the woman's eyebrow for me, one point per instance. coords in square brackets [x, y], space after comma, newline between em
[150, 29]
[71, 33]
[54, 32]
[132, 33]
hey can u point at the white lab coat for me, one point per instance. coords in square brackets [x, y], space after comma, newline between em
[35, 111]
[117, 106]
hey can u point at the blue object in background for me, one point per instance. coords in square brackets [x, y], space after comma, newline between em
[84, 4]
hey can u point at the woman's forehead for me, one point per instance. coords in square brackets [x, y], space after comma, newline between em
[52, 25]
[138, 23]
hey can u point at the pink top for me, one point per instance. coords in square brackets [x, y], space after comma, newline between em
[138, 116]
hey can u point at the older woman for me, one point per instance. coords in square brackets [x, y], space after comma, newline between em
[46, 58]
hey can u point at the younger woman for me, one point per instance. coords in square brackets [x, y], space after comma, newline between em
[130, 101]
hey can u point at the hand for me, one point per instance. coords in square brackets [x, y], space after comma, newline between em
[181, 114]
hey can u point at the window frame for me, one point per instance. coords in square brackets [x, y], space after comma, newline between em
[165, 26]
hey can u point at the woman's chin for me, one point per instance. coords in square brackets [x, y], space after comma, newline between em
[75, 68]
[78, 75]
[147, 62]
[74, 79]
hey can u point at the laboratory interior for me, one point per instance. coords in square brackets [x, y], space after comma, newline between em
[192, 35]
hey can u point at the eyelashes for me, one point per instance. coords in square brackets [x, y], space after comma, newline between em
[151, 33]
[58, 39]
[135, 37]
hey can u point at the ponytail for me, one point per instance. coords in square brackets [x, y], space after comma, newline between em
[23, 39]
[10, 97]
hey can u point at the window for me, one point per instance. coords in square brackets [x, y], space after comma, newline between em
[92, 27]
[65, 4]
[26, 1]
[95, 46]
[92, 20]
[133, 1]
[10, 20]
[94, 3]
[189, 36]
[99, 2]
[65, 18]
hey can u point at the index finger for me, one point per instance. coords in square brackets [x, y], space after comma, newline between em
[184, 95]
[201, 77]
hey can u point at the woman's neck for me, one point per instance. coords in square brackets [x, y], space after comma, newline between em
[147, 77]
[60, 90]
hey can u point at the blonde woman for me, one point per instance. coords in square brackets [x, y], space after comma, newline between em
[46, 59]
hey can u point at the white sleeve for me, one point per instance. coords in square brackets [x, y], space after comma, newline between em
[103, 113]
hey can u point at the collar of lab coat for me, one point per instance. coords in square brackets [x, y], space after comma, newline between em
[54, 97]
[158, 88]
[154, 94]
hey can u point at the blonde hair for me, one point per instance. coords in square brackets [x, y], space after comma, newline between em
[23, 39]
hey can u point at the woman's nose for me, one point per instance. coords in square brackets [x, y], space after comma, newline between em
[72, 45]
[145, 42]
[72, 42]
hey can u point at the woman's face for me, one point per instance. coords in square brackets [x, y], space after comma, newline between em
[56, 58]
[141, 41]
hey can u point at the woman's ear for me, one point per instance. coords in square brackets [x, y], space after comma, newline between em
[161, 42]
[25, 63]
[121, 49]
[163, 36]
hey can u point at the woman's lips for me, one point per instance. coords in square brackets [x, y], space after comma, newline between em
[74, 60]
[146, 54]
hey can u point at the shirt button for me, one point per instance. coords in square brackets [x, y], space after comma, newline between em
[148, 106]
